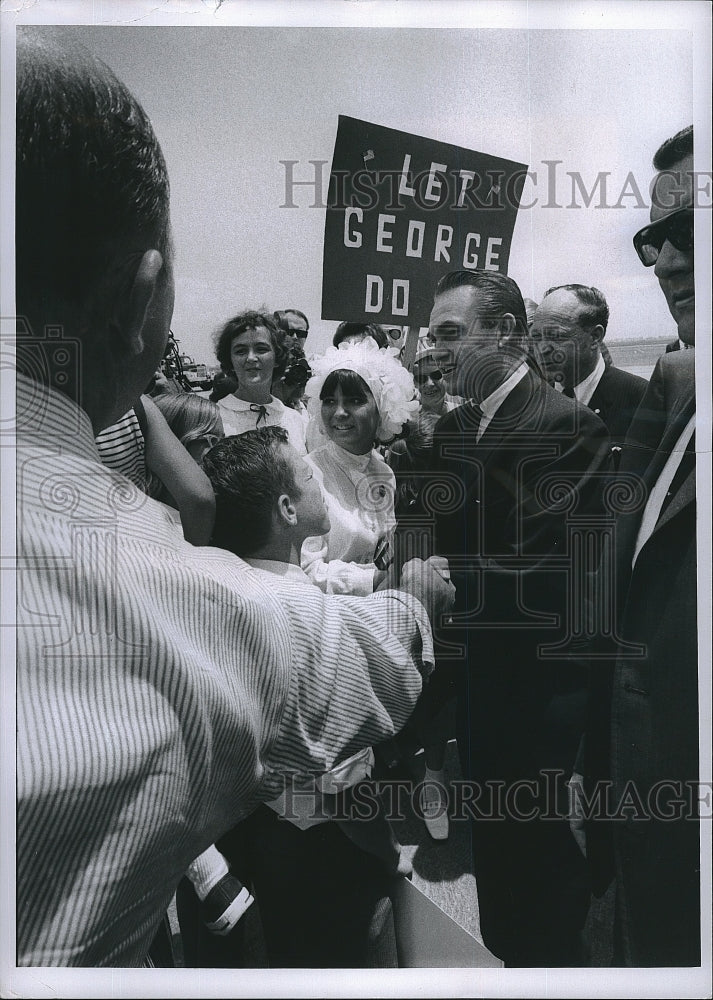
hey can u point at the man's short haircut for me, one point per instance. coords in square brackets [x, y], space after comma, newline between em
[674, 149]
[91, 179]
[498, 294]
[348, 329]
[595, 311]
[286, 313]
[251, 319]
[248, 473]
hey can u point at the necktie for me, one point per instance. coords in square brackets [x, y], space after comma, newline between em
[261, 412]
[569, 393]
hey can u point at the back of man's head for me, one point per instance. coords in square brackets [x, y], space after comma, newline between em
[248, 472]
[497, 294]
[92, 192]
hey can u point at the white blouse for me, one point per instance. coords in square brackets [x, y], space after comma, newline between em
[239, 416]
[359, 490]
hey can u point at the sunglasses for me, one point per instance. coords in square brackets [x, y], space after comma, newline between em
[676, 228]
[435, 376]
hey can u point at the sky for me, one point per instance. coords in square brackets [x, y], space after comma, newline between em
[229, 103]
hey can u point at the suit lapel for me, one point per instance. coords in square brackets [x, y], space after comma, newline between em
[628, 524]
[515, 412]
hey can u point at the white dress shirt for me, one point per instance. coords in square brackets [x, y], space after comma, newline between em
[588, 386]
[301, 803]
[162, 691]
[492, 403]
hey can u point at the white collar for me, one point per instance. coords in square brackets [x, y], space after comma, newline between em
[232, 402]
[49, 419]
[347, 461]
[289, 571]
[587, 387]
[495, 400]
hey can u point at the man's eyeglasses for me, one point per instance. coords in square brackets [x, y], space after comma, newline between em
[435, 376]
[677, 228]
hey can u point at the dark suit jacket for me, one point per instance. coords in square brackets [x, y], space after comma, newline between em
[616, 400]
[644, 712]
[502, 509]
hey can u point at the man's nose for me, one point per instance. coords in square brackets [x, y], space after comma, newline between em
[670, 261]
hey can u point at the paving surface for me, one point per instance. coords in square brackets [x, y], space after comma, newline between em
[441, 869]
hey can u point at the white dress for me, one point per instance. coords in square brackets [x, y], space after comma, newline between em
[239, 416]
[359, 490]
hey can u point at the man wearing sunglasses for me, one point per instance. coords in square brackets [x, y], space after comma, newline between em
[643, 732]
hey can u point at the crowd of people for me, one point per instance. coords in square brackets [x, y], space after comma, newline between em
[232, 609]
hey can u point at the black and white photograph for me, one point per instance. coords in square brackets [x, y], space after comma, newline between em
[356, 498]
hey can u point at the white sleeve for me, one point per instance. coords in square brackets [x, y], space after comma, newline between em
[334, 576]
[359, 665]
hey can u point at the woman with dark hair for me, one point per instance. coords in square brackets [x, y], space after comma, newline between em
[354, 333]
[252, 349]
[359, 396]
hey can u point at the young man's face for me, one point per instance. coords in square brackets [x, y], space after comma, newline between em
[312, 514]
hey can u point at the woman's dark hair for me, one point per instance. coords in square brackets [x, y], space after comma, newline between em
[349, 382]
[248, 474]
[345, 330]
[251, 320]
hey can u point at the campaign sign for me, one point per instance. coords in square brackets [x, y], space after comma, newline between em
[404, 210]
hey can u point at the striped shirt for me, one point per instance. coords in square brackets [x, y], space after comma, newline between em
[121, 447]
[162, 691]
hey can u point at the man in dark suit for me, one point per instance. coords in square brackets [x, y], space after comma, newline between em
[512, 466]
[643, 731]
[568, 331]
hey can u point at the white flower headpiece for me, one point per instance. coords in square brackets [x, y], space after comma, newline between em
[391, 384]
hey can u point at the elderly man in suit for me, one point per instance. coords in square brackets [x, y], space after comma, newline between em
[568, 330]
[643, 732]
[516, 458]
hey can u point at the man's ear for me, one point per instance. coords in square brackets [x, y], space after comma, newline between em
[286, 512]
[141, 289]
[508, 334]
[597, 333]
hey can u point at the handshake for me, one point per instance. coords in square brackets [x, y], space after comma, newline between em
[428, 580]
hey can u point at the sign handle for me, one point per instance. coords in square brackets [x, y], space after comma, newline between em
[408, 354]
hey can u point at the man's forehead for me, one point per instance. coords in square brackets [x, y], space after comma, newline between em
[560, 308]
[672, 189]
[457, 305]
